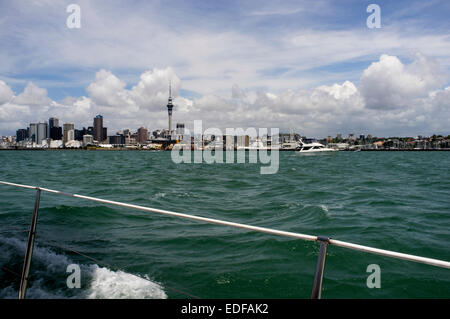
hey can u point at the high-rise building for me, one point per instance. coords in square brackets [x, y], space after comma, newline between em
[21, 135]
[98, 128]
[104, 134]
[54, 130]
[33, 132]
[56, 133]
[142, 135]
[69, 132]
[169, 109]
[42, 129]
[80, 133]
[52, 122]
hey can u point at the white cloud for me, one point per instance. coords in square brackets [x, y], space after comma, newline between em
[388, 84]
[5, 92]
[392, 98]
[33, 96]
[152, 91]
[209, 60]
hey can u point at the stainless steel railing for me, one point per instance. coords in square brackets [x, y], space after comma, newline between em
[324, 241]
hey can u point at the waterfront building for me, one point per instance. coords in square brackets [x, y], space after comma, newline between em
[72, 144]
[69, 132]
[56, 144]
[78, 135]
[142, 135]
[54, 130]
[180, 128]
[33, 132]
[56, 133]
[116, 140]
[98, 128]
[157, 133]
[130, 140]
[243, 141]
[104, 134]
[88, 140]
[229, 142]
[180, 132]
[21, 135]
[42, 129]
[52, 122]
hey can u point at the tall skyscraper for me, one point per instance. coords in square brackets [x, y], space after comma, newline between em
[69, 132]
[54, 130]
[104, 134]
[169, 109]
[52, 122]
[98, 128]
[21, 135]
[33, 132]
[142, 135]
[42, 129]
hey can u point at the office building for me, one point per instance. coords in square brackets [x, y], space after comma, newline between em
[69, 132]
[88, 140]
[80, 133]
[42, 129]
[54, 131]
[104, 134]
[98, 128]
[142, 135]
[21, 135]
[33, 132]
[118, 140]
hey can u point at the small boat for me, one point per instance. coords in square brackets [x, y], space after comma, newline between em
[314, 148]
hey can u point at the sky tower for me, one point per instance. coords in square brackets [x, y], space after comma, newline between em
[169, 109]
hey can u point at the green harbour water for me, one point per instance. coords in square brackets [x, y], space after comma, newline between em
[391, 200]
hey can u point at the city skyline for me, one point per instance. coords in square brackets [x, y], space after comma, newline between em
[314, 68]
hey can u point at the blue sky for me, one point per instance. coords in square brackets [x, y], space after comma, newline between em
[268, 46]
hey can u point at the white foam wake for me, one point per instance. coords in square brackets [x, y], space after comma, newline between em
[108, 284]
[48, 273]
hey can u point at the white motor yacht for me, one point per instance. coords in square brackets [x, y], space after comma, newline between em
[314, 148]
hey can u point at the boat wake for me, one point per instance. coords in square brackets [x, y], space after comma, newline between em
[48, 277]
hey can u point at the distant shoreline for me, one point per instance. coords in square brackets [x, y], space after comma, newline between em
[148, 150]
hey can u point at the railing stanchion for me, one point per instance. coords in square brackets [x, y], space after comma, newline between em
[29, 249]
[317, 286]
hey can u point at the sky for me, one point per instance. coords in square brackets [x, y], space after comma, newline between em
[309, 66]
